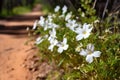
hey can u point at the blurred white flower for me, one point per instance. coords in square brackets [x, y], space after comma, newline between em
[83, 32]
[64, 9]
[34, 25]
[83, 14]
[90, 53]
[39, 40]
[71, 24]
[52, 44]
[57, 8]
[50, 18]
[52, 35]
[63, 45]
[41, 21]
[68, 16]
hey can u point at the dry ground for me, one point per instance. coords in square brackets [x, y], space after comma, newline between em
[17, 60]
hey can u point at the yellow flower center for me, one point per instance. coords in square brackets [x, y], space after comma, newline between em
[84, 32]
[89, 51]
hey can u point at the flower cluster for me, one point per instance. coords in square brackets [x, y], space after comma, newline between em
[51, 28]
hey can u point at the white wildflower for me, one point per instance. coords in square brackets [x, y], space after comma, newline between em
[34, 25]
[52, 44]
[63, 45]
[83, 14]
[42, 21]
[71, 24]
[90, 53]
[64, 9]
[39, 40]
[68, 16]
[52, 35]
[83, 32]
[57, 8]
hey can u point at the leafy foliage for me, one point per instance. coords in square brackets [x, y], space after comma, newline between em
[69, 35]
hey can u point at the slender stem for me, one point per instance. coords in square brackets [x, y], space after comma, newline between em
[105, 9]
[94, 4]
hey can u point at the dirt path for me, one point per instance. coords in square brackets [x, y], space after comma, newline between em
[13, 51]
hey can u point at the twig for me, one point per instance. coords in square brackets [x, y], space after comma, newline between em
[105, 9]
[94, 4]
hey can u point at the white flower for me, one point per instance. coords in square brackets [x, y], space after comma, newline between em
[83, 14]
[42, 21]
[39, 40]
[71, 24]
[90, 53]
[63, 45]
[83, 32]
[68, 16]
[52, 35]
[52, 44]
[64, 9]
[57, 8]
[34, 25]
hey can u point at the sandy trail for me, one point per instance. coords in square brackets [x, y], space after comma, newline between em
[13, 51]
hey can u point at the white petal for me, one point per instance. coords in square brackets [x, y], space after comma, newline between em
[96, 53]
[51, 47]
[68, 16]
[86, 35]
[60, 50]
[89, 58]
[78, 30]
[64, 9]
[85, 26]
[64, 40]
[34, 25]
[90, 29]
[79, 37]
[41, 21]
[83, 52]
[57, 8]
[39, 40]
[90, 47]
[65, 47]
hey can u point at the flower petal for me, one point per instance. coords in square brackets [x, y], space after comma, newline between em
[57, 9]
[79, 37]
[96, 53]
[64, 40]
[89, 58]
[39, 40]
[51, 47]
[78, 30]
[90, 47]
[65, 47]
[83, 52]
[34, 25]
[86, 35]
[60, 50]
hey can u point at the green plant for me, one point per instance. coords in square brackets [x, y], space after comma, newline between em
[83, 49]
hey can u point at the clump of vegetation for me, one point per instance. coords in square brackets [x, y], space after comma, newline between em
[81, 47]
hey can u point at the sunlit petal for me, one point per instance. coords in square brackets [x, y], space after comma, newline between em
[96, 53]
[89, 58]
